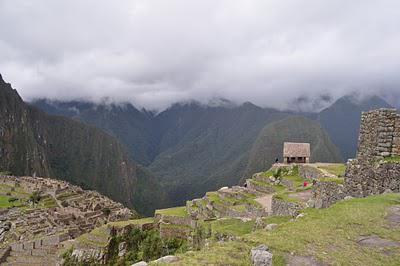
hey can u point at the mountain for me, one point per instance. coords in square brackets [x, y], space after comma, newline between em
[132, 127]
[342, 121]
[35, 143]
[191, 148]
[269, 143]
[203, 148]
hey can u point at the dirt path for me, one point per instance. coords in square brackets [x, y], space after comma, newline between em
[304, 196]
[266, 202]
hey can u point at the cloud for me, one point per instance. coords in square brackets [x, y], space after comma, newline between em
[155, 52]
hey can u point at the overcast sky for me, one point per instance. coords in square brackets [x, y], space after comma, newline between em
[157, 52]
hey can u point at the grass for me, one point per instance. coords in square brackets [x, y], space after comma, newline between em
[231, 226]
[98, 237]
[128, 222]
[176, 211]
[329, 235]
[337, 180]
[392, 159]
[336, 169]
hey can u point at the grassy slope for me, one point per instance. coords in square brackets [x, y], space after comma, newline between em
[269, 143]
[329, 235]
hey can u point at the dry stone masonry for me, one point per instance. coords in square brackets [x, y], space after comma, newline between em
[371, 173]
[32, 235]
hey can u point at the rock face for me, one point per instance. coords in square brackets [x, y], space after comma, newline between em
[260, 256]
[379, 138]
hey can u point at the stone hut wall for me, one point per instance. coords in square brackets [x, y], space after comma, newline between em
[379, 134]
[379, 137]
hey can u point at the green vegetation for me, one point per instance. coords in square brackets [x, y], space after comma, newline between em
[128, 222]
[5, 201]
[231, 227]
[336, 169]
[330, 235]
[176, 211]
[337, 180]
[140, 245]
[392, 159]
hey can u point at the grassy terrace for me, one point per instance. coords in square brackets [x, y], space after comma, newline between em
[176, 211]
[329, 235]
[231, 226]
[392, 159]
[128, 222]
[336, 169]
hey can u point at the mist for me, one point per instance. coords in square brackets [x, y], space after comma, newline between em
[153, 53]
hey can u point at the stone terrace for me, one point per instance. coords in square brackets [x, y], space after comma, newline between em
[74, 211]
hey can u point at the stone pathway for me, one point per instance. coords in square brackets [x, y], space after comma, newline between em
[266, 202]
[394, 216]
[303, 261]
[376, 241]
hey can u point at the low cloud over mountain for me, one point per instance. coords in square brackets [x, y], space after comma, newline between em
[285, 54]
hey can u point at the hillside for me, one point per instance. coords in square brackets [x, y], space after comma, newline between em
[342, 121]
[207, 147]
[269, 143]
[34, 143]
[193, 148]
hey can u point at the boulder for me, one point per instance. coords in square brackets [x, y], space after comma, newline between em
[121, 249]
[166, 259]
[271, 227]
[260, 256]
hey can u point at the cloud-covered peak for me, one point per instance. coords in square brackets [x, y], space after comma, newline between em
[153, 53]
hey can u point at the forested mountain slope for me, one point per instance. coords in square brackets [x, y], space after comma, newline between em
[35, 143]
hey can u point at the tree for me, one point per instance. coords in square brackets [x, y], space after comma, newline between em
[106, 212]
[12, 200]
[35, 197]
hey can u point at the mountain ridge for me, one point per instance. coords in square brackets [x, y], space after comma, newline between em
[35, 143]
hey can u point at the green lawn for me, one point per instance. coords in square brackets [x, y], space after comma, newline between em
[329, 235]
[392, 159]
[4, 201]
[176, 211]
[337, 169]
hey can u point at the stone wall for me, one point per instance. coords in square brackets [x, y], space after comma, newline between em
[308, 171]
[363, 179]
[379, 137]
[379, 134]
[283, 208]
[325, 193]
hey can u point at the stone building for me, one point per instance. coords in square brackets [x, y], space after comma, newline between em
[379, 135]
[375, 169]
[296, 152]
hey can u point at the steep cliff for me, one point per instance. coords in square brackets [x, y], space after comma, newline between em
[34, 143]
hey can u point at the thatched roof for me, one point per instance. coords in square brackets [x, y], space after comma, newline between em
[291, 149]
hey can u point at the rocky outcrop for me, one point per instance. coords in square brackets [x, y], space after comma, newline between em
[261, 256]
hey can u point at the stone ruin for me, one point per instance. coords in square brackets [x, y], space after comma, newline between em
[33, 232]
[370, 172]
[375, 170]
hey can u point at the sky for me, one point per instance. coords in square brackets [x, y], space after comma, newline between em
[286, 54]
